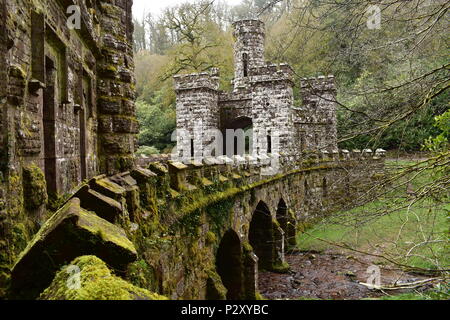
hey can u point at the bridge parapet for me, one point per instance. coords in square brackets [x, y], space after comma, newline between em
[193, 174]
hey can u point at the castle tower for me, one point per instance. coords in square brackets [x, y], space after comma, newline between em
[319, 99]
[197, 112]
[248, 49]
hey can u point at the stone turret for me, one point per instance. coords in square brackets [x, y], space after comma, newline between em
[319, 97]
[197, 111]
[262, 100]
[248, 49]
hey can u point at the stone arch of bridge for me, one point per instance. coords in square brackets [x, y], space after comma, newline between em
[266, 238]
[287, 223]
[230, 264]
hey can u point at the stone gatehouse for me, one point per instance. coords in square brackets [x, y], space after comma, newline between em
[262, 99]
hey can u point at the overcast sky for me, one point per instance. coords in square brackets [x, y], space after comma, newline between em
[156, 6]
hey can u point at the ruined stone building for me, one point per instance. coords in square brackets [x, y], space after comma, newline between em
[262, 99]
[66, 104]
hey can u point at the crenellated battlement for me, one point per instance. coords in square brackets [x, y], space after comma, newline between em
[205, 80]
[272, 72]
[248, 26]
[318, 84]
[262, 99]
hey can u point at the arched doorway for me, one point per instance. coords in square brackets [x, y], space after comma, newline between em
[229, 264]
[238, 137]
[261, 236]
[287, 223]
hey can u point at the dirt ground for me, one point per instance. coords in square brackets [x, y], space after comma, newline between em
[327, 275]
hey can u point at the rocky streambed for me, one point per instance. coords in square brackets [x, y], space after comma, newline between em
[328, 275]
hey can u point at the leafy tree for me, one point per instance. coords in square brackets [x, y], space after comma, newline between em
[157, 124]
[147, 151]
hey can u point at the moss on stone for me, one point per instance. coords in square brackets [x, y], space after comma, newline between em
[158, 168]
[247, 247]
[110, 186]
[280, 267]
[215, 290]
[259, 296]
[96, 283]
[140, 273]
[69, 233]
[34, 187]
[210, 238]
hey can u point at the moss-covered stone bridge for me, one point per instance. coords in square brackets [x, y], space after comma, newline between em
[191, 231]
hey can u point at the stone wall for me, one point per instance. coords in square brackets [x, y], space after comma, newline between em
[116, 88]
[66, 107]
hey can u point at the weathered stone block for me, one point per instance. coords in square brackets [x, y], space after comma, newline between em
[34, 187]
[105, 207]
[69, 233]
[108, 105]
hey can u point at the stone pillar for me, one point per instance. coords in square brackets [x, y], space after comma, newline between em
[3, 93]
[250, 273]
[278, 236]
[116, 88]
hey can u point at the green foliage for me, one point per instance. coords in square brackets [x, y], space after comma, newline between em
[157, 125]
[440, 143]
[383, 76]
[440, 292]
[146, 151]
[393, 233]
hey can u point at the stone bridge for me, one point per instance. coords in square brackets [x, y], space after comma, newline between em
[184, 230]
[195, 230]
